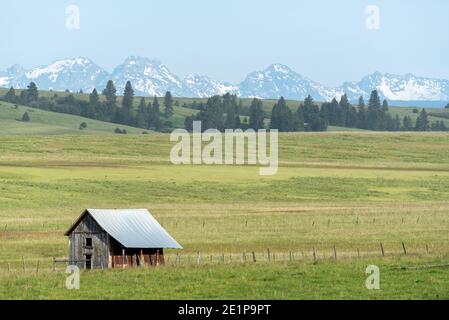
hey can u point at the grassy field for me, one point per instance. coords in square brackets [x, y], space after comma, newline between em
[351, 190]
[51, 123]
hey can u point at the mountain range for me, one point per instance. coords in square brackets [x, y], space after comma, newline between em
[151, 77]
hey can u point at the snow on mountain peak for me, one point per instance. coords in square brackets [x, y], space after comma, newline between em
[151, 77]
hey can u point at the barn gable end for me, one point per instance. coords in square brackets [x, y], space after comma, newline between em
[117, 238]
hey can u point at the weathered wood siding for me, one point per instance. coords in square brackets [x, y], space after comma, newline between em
[89, 228]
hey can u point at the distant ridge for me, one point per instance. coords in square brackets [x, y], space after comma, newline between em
[151, 77]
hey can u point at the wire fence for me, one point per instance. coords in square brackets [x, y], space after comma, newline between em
[314, 254]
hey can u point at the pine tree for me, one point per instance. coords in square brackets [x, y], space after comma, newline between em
[32, 93]
[142, 116]
[25, 117]
[127, 105]
[168, 105]
[407, 123]
[299, 119]
[374, 112]
[282, 117]
[94, 109]
[362, 114]
[422, 123]
[447, 106]
[155, 116]
[10, 96]
[111, 100]
[344, 111]
[352, 117]
[256, 115]
[385, 106]
[334, 113]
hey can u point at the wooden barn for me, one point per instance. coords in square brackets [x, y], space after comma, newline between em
[102, 239]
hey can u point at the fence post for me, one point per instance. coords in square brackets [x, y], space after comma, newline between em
[314, 254]
[427, 249]
[23, 264]
[403, 247]
[382, 249]
[37, 267]
[254, 257]
[123, 259]
[358, 253]
[54, 264]
[335, 252]
[198, 259]
[269, 255]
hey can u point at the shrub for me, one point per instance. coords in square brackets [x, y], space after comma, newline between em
[26, 117]
[83, 126]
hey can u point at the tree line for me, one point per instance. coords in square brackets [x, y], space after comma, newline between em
[226, 112]
[148, 115]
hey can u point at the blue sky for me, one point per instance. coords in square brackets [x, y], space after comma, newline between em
[326, 41]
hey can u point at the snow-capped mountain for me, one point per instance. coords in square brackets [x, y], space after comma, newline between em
[150, 77]
[203, 86]
[279, 80]
[12, 76]
[73, 74]
[399, 88]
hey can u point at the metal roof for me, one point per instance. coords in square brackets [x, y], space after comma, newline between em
[134, 228]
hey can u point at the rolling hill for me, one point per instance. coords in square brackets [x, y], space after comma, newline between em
[51, 123]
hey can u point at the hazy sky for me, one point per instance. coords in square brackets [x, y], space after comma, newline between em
[327, 41]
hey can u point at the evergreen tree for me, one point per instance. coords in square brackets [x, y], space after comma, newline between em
[299, 119]
[447, 106]
[127, 105]
[155, 116]
[385, 106]
[94, 108]
[334, 117]
[230, 107]
[110, 92]
[168, 105]
[352, 118]
[256, 115]
[313, 118]
[422, 123]
[142, 114]
[407, 123]
[281, 117]
[362, 114]
[343, 112]
[374, 112]
[397, 123]
[10, 96]
[32, 93]
[25, 117]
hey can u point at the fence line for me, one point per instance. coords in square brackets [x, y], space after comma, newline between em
[316, 254]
